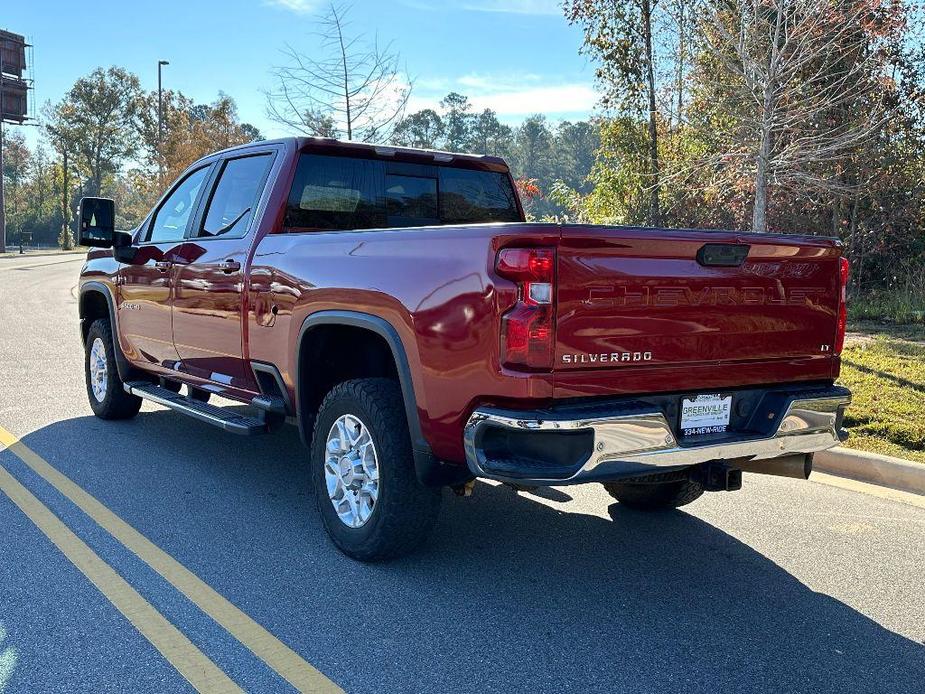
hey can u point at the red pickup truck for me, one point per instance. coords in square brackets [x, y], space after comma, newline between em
[395, 305]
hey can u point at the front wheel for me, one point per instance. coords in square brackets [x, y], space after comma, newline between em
[108, 398]
[655, 495]
[366, 490]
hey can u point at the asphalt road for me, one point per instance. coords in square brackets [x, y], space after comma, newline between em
[784, 586]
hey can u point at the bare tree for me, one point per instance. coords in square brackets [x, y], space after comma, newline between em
[351, 86]
[642, 50]
[676, 28]
[800, 80]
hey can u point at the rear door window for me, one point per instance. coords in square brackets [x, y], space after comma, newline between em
[235, 196]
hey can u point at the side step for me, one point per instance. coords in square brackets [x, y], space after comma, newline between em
[221, 417]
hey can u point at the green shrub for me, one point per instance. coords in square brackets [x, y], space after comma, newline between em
[888, 305]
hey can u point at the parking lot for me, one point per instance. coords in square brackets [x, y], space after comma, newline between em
[161, 554]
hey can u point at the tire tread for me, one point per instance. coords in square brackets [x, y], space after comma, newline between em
[118, 404]
[406, 509]
[655, 496]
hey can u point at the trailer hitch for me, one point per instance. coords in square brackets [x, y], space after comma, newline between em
[717, 476]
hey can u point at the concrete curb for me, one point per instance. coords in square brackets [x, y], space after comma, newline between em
[872, 468]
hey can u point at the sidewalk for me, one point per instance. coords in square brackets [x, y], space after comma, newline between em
[13, 252]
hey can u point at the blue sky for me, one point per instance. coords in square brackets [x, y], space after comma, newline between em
[515, 56]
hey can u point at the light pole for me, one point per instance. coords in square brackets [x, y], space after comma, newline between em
[160, 124]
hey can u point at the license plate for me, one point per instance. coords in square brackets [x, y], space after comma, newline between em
[705, 414]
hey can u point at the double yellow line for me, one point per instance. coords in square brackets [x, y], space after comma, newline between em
[179, 651]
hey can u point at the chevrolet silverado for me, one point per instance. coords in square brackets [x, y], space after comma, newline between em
[395, 305]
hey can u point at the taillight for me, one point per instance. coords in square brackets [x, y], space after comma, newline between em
[842, 324]
[528, 329]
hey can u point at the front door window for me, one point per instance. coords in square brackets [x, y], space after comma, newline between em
[171, 219]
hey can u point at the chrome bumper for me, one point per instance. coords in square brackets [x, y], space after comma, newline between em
[642, 442]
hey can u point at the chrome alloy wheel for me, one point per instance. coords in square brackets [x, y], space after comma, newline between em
[99, 371]
[351, 471]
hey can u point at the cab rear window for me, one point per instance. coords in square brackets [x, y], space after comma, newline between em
[331, 192]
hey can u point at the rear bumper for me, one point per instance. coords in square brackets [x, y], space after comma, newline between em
[586, 443]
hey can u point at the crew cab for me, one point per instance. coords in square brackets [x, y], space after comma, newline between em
[395, 305]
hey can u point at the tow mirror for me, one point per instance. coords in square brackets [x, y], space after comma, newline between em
[97, 222]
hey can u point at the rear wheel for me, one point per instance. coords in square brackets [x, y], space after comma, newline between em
[366, 490]
[108, 398]
[656, 494]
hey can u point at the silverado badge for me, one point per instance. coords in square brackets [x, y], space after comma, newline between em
[606, 357]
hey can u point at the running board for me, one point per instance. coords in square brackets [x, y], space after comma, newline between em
[210, 414]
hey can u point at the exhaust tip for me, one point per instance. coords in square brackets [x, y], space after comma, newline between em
[799, 466]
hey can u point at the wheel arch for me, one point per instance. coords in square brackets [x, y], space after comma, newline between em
[96, 301]
[429, 470]
[379, 327]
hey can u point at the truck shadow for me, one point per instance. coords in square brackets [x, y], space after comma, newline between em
[898, 380]
[511, 594]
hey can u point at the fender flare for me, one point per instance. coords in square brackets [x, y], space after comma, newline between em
[429, 469]
[123, 367]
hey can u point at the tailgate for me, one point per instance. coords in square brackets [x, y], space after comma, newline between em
[631, 299]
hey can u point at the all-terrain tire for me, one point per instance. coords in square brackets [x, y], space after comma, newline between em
[405, 510]
[657, 495]
[109, 399]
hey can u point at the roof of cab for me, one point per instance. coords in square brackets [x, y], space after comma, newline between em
[331, 145]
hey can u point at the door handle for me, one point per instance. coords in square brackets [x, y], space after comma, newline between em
[229, 266]
[163, 265]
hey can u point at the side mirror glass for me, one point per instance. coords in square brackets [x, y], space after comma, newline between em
[97, 222]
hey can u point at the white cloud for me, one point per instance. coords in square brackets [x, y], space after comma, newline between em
[511, 94]
[297, 6]
[497, 82]
[562, 99]
[536, 7]
[433, 84]
[515, 6]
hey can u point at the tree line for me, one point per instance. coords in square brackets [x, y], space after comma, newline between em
[769, 115]
[105, 129]
[782, 115]
[108, 128]
[543, 156]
